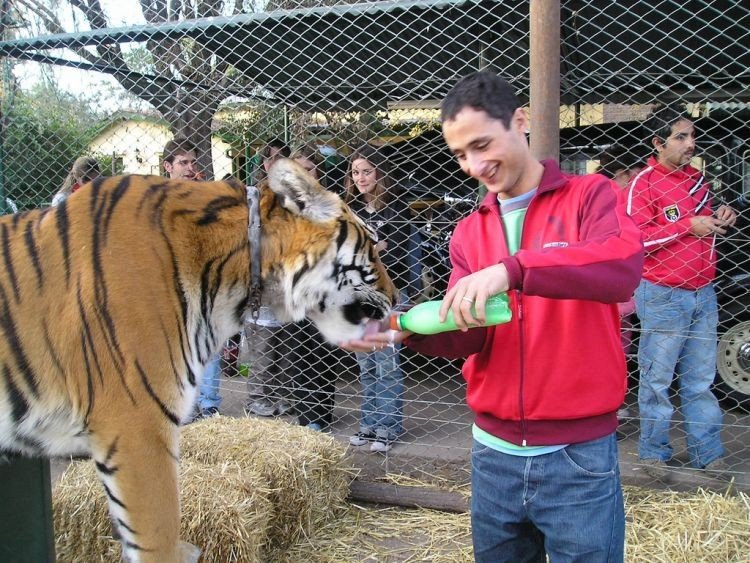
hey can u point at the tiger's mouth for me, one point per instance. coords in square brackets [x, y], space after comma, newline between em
[360, 312]
[352, 320]
[372, 326]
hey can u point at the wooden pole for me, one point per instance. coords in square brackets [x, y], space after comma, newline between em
[544, 76]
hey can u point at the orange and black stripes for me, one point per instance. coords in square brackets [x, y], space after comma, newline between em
[113, 302]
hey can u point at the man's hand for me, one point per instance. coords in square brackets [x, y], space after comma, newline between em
[715, 224]
[473, 291]
[376, 341]
[726, 214]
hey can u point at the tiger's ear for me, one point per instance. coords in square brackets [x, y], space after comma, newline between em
[300, 193]
[234, 182]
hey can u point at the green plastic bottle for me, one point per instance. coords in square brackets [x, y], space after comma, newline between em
[423, 318]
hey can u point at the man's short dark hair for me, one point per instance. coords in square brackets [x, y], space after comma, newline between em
[482, 91]
[277, 144]
[659, 123]
[176, 147]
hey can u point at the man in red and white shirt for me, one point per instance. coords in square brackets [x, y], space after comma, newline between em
[671, 203]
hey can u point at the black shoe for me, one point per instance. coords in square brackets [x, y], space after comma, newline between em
[362, 438]
[209, 412]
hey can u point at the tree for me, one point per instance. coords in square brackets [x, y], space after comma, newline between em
[180, 78]
[186, 82]
[43, 132]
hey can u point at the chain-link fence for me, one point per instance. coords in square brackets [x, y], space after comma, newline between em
[116, 81]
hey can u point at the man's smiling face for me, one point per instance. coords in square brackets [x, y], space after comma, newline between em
[488, 151]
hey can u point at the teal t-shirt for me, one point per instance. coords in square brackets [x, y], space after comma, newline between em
[513, 212]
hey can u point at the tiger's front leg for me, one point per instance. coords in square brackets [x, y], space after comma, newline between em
[137, 464]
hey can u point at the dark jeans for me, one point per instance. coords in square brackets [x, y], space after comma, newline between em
[567, 504]
[269, 355]
[317, 366]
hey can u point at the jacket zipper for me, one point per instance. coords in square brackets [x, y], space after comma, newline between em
[522, 361]
[522, 368]
[519, 307]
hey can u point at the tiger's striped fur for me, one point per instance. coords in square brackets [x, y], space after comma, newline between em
[112, 303]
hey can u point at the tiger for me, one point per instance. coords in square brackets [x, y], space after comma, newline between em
[113, 302]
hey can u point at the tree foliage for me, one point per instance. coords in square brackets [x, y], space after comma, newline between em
[179, 78]
[43, 132]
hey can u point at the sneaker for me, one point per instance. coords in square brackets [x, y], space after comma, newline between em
[261, 407]
[656, 469]
[362, 438]
[718, 468]
[381, 446]
[283, 407]
[209, 412]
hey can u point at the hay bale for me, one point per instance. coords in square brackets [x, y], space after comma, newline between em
[225, 510]
[676, 526]
[662, 526]
[83, 531]
[305, 472]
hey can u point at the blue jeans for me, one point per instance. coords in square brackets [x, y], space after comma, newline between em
[567, 504]
[209, 390]
[383, 392]
[678, 338]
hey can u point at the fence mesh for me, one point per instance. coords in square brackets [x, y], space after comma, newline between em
[116, 81]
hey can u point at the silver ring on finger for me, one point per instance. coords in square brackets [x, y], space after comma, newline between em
[469, 299]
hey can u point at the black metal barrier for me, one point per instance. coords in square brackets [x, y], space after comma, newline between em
[26, 531]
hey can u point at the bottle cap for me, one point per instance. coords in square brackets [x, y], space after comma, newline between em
[394, 321]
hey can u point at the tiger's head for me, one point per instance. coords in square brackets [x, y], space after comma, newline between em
[319, 258]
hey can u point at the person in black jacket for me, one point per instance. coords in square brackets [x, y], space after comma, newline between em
[371, 194]
[317, 365]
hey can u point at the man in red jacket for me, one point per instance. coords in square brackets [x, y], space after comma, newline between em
[676, 302]
[545, 387]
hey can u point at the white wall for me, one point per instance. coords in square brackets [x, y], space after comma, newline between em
[139, 143]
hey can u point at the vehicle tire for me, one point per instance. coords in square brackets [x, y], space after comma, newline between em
[733, 363]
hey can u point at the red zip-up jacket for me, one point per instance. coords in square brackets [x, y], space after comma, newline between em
[662, 202]
[556, 372]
